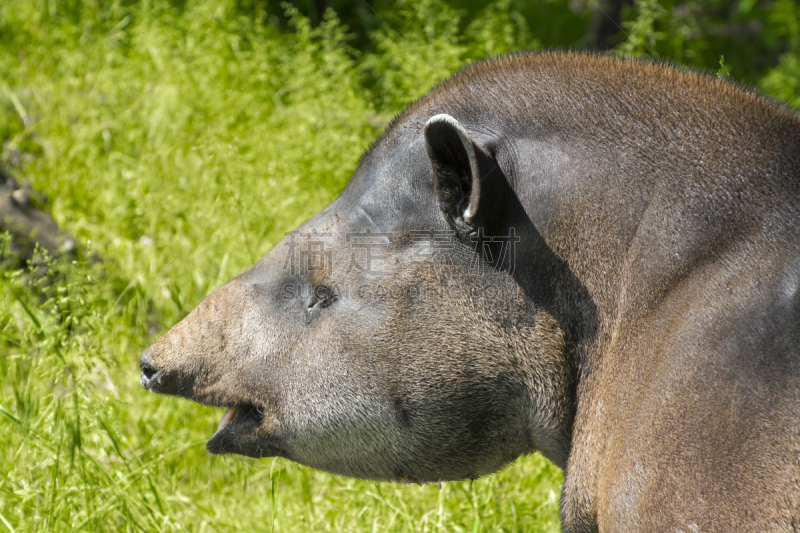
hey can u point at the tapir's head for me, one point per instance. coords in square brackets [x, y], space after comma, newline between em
[387, 338]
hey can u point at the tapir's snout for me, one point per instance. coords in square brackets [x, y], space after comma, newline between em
[193, 359]
[159, 376]
[162, 380]
[203, 358]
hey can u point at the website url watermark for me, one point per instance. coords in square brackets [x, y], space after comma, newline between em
[375, 254]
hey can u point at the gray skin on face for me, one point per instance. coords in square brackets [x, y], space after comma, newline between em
[593, 258]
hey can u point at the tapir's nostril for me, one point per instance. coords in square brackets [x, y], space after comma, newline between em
[148, 372]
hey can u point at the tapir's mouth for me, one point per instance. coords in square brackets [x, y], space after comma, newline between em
[239, 416]
[238, 421]
[240, 431]
[229, 415]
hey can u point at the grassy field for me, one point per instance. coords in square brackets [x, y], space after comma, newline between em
[177, 141]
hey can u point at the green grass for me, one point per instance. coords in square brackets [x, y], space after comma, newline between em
[177, 141]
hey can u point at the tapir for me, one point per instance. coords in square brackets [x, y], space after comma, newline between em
[590, 257]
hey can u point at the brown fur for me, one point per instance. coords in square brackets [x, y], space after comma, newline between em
[647, 339]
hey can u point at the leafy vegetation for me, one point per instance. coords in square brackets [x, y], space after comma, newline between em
[177, 141]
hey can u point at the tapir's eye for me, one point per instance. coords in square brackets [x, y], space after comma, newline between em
[324, 296]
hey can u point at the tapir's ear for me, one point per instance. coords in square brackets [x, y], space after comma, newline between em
[456, 173]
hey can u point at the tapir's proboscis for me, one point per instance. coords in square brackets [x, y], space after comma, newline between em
[594, 258]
